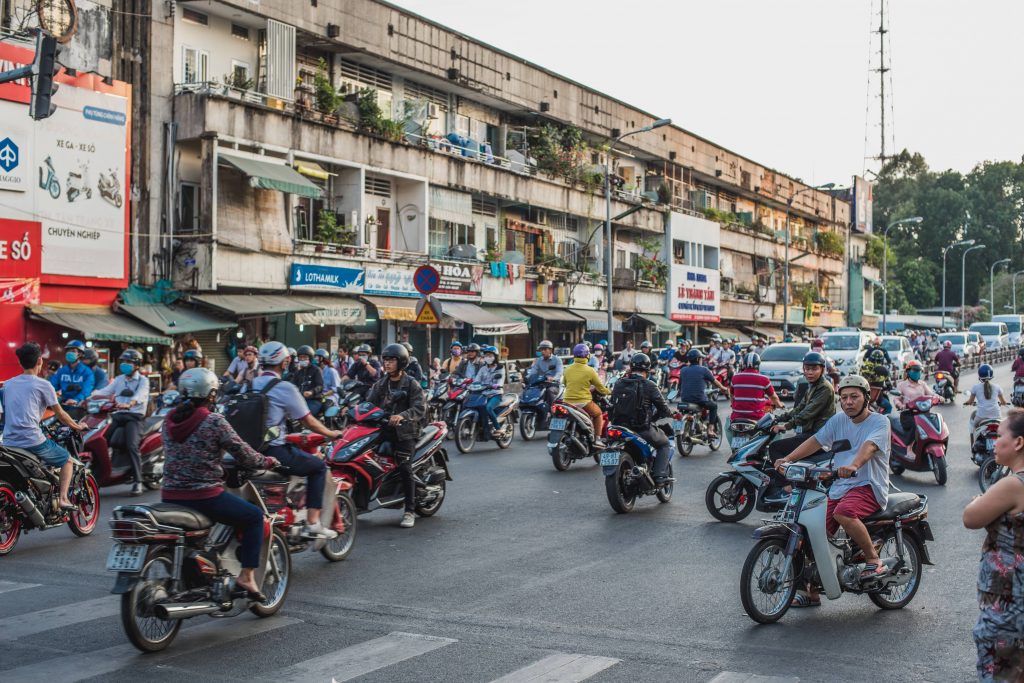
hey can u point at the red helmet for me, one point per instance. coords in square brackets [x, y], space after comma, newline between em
[818, 343]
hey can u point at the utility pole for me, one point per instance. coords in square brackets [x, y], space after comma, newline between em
[882, 69]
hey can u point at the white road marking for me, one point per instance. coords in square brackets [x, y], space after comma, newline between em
[12, 628]
[8, 586]
[736, 677]
[560, 668]
[363, 658]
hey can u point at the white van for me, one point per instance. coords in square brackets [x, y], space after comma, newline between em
[1013, 326]
[995, 334]
[846, 348]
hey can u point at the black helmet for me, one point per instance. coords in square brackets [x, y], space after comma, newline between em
[640, 362]
[1020, 352]
[362, 348]
[193, 354]
[398, 352]
[753, 360]
[131, 356]
[305, 350]
[89, 357]
[473, 347]
[408, 347]
[814, 358]
[323, 353]
[694, 355]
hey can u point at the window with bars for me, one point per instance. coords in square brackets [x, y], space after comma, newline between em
[378, 186]
[485, 207]
[416, 91]
[365, 76]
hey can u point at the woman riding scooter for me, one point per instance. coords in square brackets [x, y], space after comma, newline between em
[911, 389]
[988, 396]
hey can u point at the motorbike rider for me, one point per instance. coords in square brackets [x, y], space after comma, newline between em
[344, 361]
[471, 364]
[26, 398]
[322, 360]
[413, 369]
[74, 381]
[288, 367]
[400, 394]
[130, 392]
[667, 352]
[364, 369]
[911, 389]
[195, 439]
[492, 376]
[752, 392]
[650, 407]
[1018, 366]
[602, 360]
[714, 354]
[693, 381]
[946, 360]
[648, 350]
[451, 363]
[863, 484]
[622, 362]
[581, 380]
[251, 367]
[237, 364]
[987, 395]
[285, 402]
[91, 359]
[547, 368]
[308, 378]
[876, 370]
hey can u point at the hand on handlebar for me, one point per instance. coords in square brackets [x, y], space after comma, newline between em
[395, 420]
[80, 426]
[846, 472]
[271, 463]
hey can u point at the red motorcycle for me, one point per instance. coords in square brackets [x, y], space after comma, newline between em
[723, 374]
[109, 463]
[675, 367]
[363, 460]
[911, 451]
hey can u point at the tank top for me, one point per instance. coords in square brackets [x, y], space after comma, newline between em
[1002, 556]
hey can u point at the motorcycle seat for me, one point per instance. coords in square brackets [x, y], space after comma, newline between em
[23, 454]
[179, 516]
[151, 424]
[894, 422]
[427, 435]
[897, 505]
[691, 408]
[507, 400]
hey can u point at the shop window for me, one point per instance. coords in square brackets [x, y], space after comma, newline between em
[188, 209]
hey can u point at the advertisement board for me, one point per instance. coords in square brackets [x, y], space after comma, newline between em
[459, 281]
[862, 205]
[695, 294]
[326, 278]
[694, 279]
[389, 282]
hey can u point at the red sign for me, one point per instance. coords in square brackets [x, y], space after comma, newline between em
[20, 249]
[23, 290]
[426, 280]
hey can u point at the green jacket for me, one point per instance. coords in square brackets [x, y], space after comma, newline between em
[816, 406]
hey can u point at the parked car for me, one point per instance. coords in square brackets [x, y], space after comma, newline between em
[962, 344]
[996, 335]
[1013, 327]
[846, 348]
[783, 364]
[899, 350]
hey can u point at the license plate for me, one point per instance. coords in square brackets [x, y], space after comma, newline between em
[990, 444]
[126, 557]
[610, 459]
[739, 441]
[558, 424]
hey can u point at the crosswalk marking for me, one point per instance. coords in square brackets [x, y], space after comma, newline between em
[736, 677]
[363, 658]
[80, 666]
[12, 628]
[8, 586]
[560, 668]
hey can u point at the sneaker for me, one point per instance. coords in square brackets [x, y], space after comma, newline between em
[137, 489]
[664, 481]
[408, 520]
[318, 530]
[598, 443]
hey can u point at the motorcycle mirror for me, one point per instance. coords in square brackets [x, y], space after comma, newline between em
[271, 434]
[840, 446]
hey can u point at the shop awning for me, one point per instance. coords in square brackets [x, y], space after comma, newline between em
[660, 322]
[520, 320]
[254, 305]
[333, 310]
[271, 175]
[551, 314]
[100, 323]
[763, 331]
[727, 333]
[175, 320]
[597, 321]
[311, 169]
[484, 322]
[402, 309]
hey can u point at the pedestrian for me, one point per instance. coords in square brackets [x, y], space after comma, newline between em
[999, 631]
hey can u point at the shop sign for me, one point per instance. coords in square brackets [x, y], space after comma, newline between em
[695, 294]
[20, 251]
[389, 282]
[326, 278]
[459, 281]
[353, 314]
[19, 290]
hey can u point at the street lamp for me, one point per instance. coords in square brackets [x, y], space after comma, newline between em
[991, 283]
[1013, 282]
[963, 283]
[785, 274]
[955, 244]
[916, 220]
[608, 214]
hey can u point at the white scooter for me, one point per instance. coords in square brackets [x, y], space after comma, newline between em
[783, 559]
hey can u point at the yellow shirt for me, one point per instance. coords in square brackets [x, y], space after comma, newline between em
[578, 378]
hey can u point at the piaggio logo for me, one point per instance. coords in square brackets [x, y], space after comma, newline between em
[8, 155]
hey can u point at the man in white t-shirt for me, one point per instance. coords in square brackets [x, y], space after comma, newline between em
[26, 398]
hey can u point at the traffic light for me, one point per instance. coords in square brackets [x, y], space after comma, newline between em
[44, 67]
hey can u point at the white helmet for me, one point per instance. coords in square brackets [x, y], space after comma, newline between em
[197, 383]
[273, 353]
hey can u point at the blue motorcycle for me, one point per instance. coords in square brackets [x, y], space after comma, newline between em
[472, 424]
[628, 465]
[535, 408]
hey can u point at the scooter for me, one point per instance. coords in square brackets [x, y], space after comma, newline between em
[675, 367]
[79, 183]
[108, 462]
[572, 433]
[472, 424]
[1018, 392]
[535, 408]
[49, 182]
[628, 464]
[731, 496]
[943, 386]
[983, 440]
[109, 187]
[924, 448]
[692, 429]
[723, 374]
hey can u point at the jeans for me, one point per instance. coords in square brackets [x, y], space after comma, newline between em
[130, 425]
[234, 511]
[663, 449]
[712, 407]
[492, 415]
[403, 443]
[303, 464]
[50, 453]
[314, 405]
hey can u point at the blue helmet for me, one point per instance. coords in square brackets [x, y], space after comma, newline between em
[487, 348]
[456, 344]
[694, 355]
[580, 351]
[76, 344]
[985, 372]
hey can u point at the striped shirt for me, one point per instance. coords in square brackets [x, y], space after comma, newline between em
[750, 392]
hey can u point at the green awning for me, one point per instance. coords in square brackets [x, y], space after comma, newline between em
[100, 324]
[255, 305]
[660, 322]
[271, 175]
[177, 320]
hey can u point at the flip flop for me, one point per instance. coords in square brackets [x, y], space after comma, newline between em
[803, 600]
[69, 507]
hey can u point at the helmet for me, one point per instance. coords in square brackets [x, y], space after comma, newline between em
[75, 344]
[89, 357]
[304, 350]
[580, 351]
[474, 347]
[819, 342]
[201, 382]
[670, 343]
[603, 342]
[545, 345]
[323, 353]
[291, 351]
[487, 348]
[985, 371]
[855, 381]
[131, 356]
[273, 353]
[716, 337]
[913, 365]
[598, 347]
[753, 361]
[398, 352]
[947, 344]
[1020, 352]
[641, 362]
[408, 347]
[694, 355]
[193, 354]
[814, 358]
[645, 343]
[251, 349]
[590, 347]
[455, 344]
[363, 348]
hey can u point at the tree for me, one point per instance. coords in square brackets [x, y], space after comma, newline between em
[916, 278]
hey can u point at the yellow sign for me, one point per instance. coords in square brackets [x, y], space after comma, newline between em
[427, 315]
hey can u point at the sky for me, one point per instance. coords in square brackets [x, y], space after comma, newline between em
[784, 82]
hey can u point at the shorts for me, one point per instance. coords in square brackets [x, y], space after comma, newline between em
[50, 453]
[857, 503]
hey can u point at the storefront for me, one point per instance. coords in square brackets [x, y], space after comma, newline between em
[558, 325]
[597, 327]
[651, 327]
[515, 339]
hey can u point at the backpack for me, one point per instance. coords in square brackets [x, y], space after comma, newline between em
[628, 406]
[247, 414]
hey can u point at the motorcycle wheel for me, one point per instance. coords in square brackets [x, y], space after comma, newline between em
[506, 441]
[431, 510]
[683, 443]
[767, 594]
[989, 473]
[897, 469]
[153, 483]
[730, 498]
[940, 471]
[898, 597]
[465, 435]
[275, 578]
[87, 496]
[717, 442]
[615, 486]
[10, 519]
[54, 189]
[665, 493]
[144, 629]
[338, 548]
[560, 456]
[528, 425]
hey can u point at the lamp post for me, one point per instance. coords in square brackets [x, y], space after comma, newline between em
[963, 283]
[885, 265]
[785, 273]
[955, 244]
[991, 283]
[608, 216]
[1013, 282]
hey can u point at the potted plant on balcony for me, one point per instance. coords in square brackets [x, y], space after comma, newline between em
[236, 85]
[327, 230]
[347, 238]
[326, 97]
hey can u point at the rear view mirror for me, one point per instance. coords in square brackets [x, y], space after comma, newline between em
[840, 446]
[271, 434]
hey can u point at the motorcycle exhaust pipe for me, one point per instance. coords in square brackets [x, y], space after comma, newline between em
[185, 610]
[577, 445]
[30, 509]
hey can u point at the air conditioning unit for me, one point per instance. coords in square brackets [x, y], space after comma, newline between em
[433, 111]
[592, 251]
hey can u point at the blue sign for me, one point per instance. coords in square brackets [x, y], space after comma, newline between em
[8, 155]
[327, 278]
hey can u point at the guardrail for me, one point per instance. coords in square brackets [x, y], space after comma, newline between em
[974, 360]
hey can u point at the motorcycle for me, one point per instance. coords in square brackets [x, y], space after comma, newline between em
[1018, 392]
[351, 393]
[448, 404]
[110, 187]
[731, 496]
[795, 548]
[572, 433]
[173, 563]
[535, 409]
[472, 423]
[627, 464]
[78, 183]
[924, 448]
[990, 472]
[675, 366]
[48, 179]
[943, 386]
[29, 490]
[723, 375]
[362, 460]
[109, 462]
[983, 440]
[692, 429]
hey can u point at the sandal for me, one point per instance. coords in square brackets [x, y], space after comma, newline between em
[873, 570]
[804, 600]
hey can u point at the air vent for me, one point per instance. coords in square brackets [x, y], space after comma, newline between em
[378, 186]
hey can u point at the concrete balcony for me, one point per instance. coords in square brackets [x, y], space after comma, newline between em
[746, 240]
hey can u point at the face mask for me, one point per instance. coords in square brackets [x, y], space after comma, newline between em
[914, 375]
[456, 352]
[71, 356]
[126, 368]
[489, 360]
[362, 359]
[303, 363]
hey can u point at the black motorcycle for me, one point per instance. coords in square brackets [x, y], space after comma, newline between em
[30, 489]
[535, 408]
[628, 465]
[571, 436]
[692, 429]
